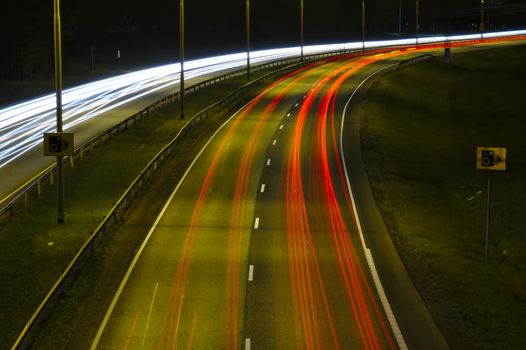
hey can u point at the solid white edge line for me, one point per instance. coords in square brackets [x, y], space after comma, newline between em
[251, 273]
[256, 224]
[96, 341]
[369, 257]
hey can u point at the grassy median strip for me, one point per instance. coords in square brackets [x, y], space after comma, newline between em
[420, 129]
[34, 250]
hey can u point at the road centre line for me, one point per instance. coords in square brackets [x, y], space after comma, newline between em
[124, 280]
[281, 127]
[274, 142]
[288, 114]
[268, 162]
[251, 273]
[256, 224]
[247, 344]
[369, 257]
[262, 188]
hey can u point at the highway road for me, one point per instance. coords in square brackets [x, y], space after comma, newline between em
[261, 242]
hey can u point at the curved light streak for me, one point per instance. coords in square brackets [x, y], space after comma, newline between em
[22, 124]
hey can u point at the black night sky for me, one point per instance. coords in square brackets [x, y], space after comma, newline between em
[147, 32]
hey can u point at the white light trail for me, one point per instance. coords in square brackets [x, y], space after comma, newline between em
[22, 125]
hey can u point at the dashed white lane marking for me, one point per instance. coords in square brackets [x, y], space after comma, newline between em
[288, 115]
[296, 105]
[268, 162]
[256, 224]
[262, 188]
[247, 344]
[281, 127]
[251, 273]
[274, 142]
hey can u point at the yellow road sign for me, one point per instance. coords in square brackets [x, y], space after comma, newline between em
[491, 158]
[58, 144]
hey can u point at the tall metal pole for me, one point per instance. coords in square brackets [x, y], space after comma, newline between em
[363, 26]
[400, 18]
[481, 27]
[301, 27]
[58, 88]
[417, 25]
[247, 8]
[181, 52]
[488, 207]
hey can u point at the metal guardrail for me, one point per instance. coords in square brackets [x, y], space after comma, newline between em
[414, 60]
[116, 214]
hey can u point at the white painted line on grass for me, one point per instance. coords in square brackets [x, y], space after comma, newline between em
[262, 188]
[247, 344]
[268, 162]
[256, 224]
[251, 273]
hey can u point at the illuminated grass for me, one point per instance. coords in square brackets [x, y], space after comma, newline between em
[421, 127]
[34, 250]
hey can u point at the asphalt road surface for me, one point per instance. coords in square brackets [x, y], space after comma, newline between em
[261, 245]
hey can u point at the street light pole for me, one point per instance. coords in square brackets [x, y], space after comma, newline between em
[58, 88]
[417, 25]
[181, 52]
[400, 19]
[481, 27]
[301, 27]
[363, 26]
[247, 8]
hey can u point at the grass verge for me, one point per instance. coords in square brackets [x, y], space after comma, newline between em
[34, 250]
[420, 129]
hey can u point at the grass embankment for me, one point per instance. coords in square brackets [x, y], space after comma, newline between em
[34, 250]
[420, 130]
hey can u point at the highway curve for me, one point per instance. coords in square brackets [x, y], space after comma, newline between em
[259, 245]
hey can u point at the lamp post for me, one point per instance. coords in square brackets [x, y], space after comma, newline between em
[417, 25]
[181, 52]
[58, 87]
[247, 15]
[400, 19]
[301, 28]
[363, 26]
[481, 27]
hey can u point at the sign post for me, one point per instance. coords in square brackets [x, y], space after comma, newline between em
[490, 159]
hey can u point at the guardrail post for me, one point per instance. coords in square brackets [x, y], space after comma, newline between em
[51, 180]
[39, 188]
[82, 152]
[26, 200]
[71, 161]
